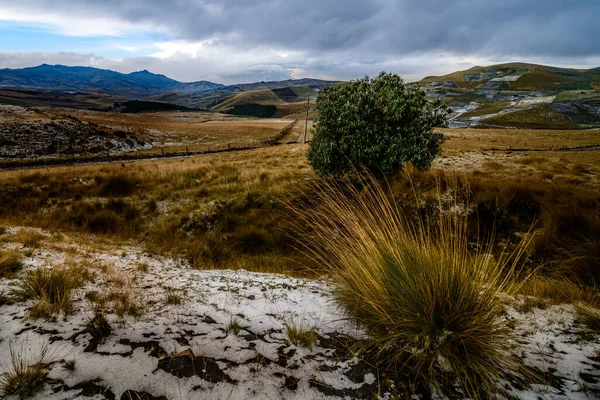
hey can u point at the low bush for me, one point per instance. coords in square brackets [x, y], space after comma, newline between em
[426, 300]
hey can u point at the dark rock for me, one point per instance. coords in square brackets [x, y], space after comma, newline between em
[186, 364]
[92, 388]
[291, 383]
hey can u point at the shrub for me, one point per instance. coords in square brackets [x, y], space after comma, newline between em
[378, 124]
[426, 301]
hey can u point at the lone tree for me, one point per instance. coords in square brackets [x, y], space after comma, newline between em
[378, 124]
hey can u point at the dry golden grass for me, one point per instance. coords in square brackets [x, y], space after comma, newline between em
[25, 376]
[196, 131]
[462, 140]
[50, 289]
[427, 302]
[560, 290]
[11, 262]
[223, 210]
[589, 317]
[27, 237]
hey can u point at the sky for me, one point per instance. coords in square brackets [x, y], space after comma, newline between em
[237, 41]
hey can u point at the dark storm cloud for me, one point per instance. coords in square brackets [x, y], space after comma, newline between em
[386, 27]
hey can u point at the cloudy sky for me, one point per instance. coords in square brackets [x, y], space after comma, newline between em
[233, 41]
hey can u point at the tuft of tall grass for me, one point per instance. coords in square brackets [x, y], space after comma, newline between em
[10, 263]
[28, 237]
[589, 317]
[25, 377]
[560, 290]
[299, 335]
[50, 289]
[426, 301]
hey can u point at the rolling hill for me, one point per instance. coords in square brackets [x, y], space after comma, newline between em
[520, 95]
[278, 102]
[518, 76]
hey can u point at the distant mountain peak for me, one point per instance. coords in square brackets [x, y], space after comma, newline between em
[139, 83]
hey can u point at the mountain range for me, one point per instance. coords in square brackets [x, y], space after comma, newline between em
[141, 83]
[85, 78]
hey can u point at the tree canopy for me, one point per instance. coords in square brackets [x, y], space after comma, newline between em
[378, 124]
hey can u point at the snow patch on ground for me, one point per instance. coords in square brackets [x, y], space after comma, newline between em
[258, 362]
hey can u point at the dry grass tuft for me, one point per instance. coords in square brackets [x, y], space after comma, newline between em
[11, 262]
[28, 237]
[25, 377]
[560, 290]
[5, 299]
[299, 335]
[427, 302]
[50, 289]
[233, 326]
[589, 317]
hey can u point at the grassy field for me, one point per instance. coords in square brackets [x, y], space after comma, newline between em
[176, 130]
[537, 117]
[486, 212]
[227, 210]
[157, 133]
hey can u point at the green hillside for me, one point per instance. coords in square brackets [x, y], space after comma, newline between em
[520, 76]
[266, 103]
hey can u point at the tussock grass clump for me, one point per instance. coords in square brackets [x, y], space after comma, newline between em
[118, 185]
[299, 335]
[11, 262]
[5, 299]
[98, 327]
[560, 290]
[233, 326]
[28, 237]
[103, 221]
[173, 298]
[50, 289]
[25, 377]
[589, 317]
[426, 301]
[571, 236]
[125, 304]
